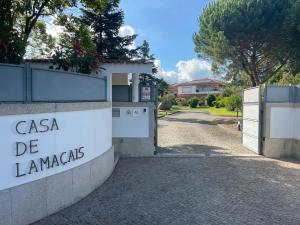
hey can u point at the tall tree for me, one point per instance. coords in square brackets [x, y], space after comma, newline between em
[74, 30]
[42, 44]
[26, 13]
[144, 52]
[106, 24]
[18, 18]
[255, 37]
[145, 55]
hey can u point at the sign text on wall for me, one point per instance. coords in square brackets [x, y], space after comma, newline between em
[24, 128]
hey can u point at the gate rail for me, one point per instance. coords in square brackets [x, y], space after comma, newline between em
[26, 84]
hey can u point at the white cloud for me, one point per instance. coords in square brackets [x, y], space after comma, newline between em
[55, 30]
[186, 71]
[127, 31]
[169, 76]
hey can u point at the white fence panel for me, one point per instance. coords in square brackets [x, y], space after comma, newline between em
[252, 119]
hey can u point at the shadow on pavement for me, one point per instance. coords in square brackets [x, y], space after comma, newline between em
[206, 150]
[203, 122]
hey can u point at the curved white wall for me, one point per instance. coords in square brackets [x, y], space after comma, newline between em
[77, 157]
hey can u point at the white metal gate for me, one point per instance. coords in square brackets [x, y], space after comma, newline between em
[252, 119]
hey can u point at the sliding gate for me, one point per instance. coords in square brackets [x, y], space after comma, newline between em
[252, 119]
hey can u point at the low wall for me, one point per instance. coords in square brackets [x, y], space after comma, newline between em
[53, 155]
[134, 135]
[282, 130]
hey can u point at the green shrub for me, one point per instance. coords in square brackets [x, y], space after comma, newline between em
[220, 102]
[202, 101]
[181, 101]
[217, 104]
[193, 102]
[170, 98]
[234, 103]
[165, 105]
[167, 101]
[230, 90]
[210, 100]
[290, 79]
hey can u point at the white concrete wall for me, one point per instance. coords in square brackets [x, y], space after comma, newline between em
[91, 130]
[285, 123]
[26, 199]
[135, 136]
[297, 124]
[132, 123]
[252, 95]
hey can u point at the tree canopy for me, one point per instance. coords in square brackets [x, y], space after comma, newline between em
[19, 19]
[257, 37]
[106, 26]
[91, 32]
[22, 21]
[144, 51]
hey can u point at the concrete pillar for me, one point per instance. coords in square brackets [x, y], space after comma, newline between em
[108, 76]
[135, 87]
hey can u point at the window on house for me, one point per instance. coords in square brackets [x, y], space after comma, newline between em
[187, 90]
[199, 89]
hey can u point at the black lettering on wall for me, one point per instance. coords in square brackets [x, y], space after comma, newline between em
[81, 153]
[61, 158]
[21, 149]
[18, 171]
[54, 125]
[33, 127]
[33, 167]
[54, 161]
[18, 127]
[45, 161]
[71, 156]
[33, 146]
[43, 124]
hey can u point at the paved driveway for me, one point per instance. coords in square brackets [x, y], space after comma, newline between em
[199, 133]
[232, 187]
[177, 191]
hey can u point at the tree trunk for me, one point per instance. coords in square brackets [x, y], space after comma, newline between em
[253, 80]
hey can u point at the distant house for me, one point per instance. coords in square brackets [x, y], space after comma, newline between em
[199, 88]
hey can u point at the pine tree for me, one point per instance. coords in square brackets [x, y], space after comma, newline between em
[106, 25]
[144, 51]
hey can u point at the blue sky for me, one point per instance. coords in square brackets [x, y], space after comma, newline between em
[168, 25]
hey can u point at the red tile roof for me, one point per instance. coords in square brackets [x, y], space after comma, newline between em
[203, 81]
